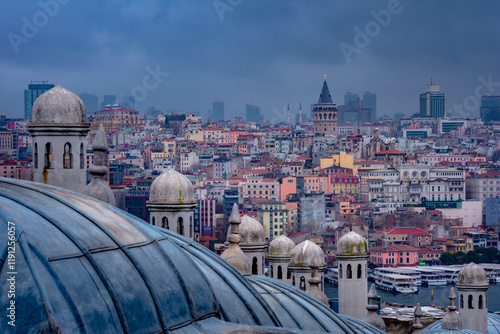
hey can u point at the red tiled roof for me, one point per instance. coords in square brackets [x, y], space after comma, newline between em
[390, 152]
[410, 230]
[396, 248]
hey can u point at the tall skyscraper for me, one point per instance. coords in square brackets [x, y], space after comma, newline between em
[91, 103]
[433, 102]
[370, 102]
[218, 111]
[108, 100]
[348, 97]
[32, 93]
[325, 114]
[253, 114]
[490, 108]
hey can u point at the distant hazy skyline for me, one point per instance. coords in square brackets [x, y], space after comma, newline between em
[187, 54]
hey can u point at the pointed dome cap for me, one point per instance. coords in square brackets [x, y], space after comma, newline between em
[352, 244]
[58, 106]
[172, 187]
[472, 274]
[325, 97]
[304, 253]
[281, 246]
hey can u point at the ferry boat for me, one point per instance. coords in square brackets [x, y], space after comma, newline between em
[450, 273]
[414, 274]
[492, 271]
[332, 275]
[431, 276]
[397, 283]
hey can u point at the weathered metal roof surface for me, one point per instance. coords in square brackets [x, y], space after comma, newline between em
[298, 309]
[83, 266]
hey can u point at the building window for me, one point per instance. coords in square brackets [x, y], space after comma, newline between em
[48, 156]
[68, 157]
[82, 157]
[349, 271]
[470, 302]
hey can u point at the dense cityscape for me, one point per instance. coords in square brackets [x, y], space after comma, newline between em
[375, 213]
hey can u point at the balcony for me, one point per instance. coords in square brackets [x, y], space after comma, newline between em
[414, 189]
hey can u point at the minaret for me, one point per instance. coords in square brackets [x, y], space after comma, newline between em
[472, 285]
[288, 115]
[233, 254]
[417, 326]
[384, 240]
[279, 258]
[97, 187]
[352, 255]
[300, 112]
[451, 319]
[59, 128]
[325, 114]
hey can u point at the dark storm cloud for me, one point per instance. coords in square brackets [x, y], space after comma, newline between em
[266, 53]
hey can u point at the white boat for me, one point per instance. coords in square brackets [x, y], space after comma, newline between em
[414, 274]
[450, 273]
[431, 275]
[396, 283]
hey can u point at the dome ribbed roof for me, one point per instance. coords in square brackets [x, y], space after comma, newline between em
[84, 266]
[352, 244]
[251, 231]
[472, 274]
[303, 254]
[171, 187]
[281, 246]
[58, 106]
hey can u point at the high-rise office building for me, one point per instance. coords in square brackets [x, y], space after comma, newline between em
[490, 108]
[433, 102]
[349, 97]
[253, 114]
[108, 100]
[32, 93]
[91, 103]
[218, 111]
[370, 102]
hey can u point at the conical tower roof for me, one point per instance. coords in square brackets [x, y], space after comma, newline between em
[325, 97]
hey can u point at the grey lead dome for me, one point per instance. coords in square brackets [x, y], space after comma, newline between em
[58, 106]
[172, 187]
[352, 244]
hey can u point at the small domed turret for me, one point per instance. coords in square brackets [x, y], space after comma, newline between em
[352, 244]
[281, 246]
[304, 253]
[58, 106]
[472, 274]
[171, 187]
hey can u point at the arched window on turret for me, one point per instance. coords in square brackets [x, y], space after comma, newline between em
[359, 271]
[293, 280]
[349, 271]
[190, 227]
[48, 156]
[164, 223]
[470, 303]
[340, 271]
[480, 302]
[153, 221]
[302, 283]
[280, 273]
[255, 266]
[82, 157]
[67, 157]
[180, 226]
[288, 273]
[35, 156]
[461, 301]
[271, 269]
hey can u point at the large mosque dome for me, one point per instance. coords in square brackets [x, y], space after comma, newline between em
[281, 246]
[83, 266]
[58, 106]
[171, 187]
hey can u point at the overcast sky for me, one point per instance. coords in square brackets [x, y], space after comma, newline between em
[260, 52]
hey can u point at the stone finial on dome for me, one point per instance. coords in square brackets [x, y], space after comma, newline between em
[281, 246]
[451, 319]
[58, 106]
[98, 188]
[233, 254]
[304, 253]
[314, 282]
[171, 187]
[372, 317]
[352, 244]
[472, 274]
[418, 324]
